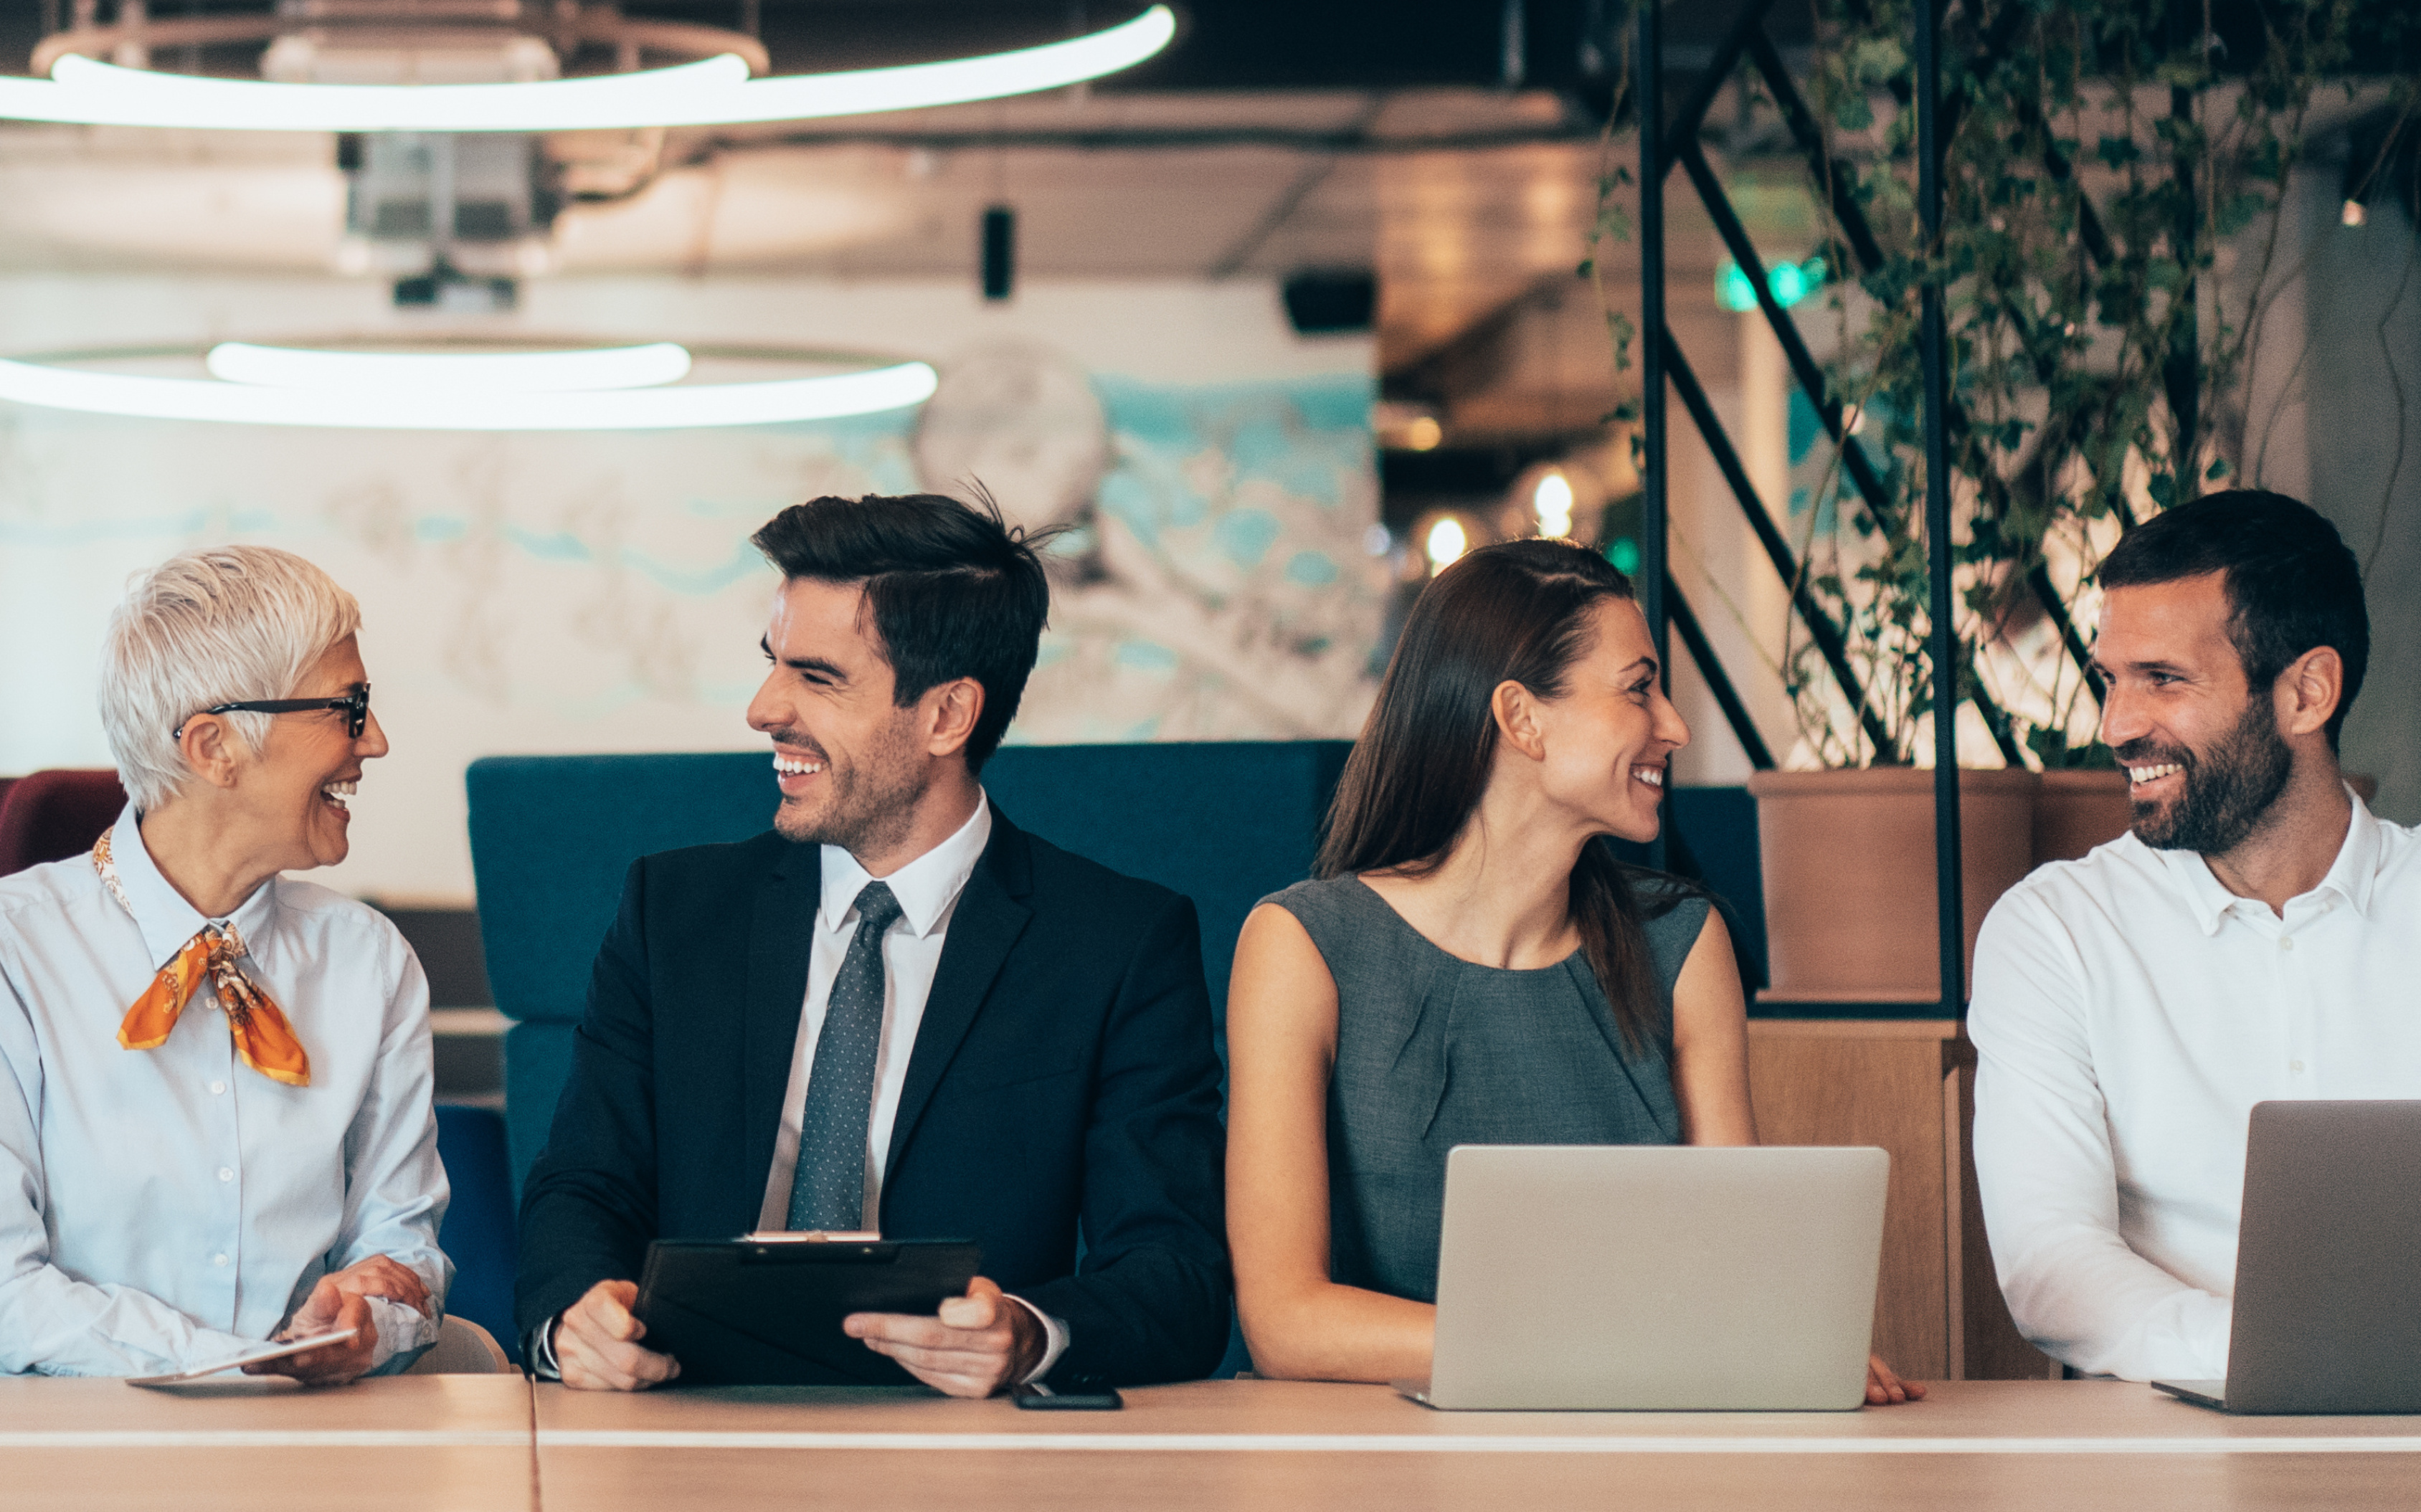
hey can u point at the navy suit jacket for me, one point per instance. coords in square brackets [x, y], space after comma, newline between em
[1063, 1083]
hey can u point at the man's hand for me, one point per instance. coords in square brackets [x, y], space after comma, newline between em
[980, 1343]
[327, 1309]
[596, 1343]
[1884, 1388]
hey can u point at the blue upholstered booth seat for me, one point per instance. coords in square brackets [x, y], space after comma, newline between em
[1222, 822]
[550, 837]
[478, 1236]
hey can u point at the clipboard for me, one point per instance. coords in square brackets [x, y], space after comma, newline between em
[765, 1309]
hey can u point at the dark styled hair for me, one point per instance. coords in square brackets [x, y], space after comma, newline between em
[955, 591]
[2291, 583]
[1518, 611]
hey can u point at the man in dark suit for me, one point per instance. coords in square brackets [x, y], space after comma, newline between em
[897, 1011]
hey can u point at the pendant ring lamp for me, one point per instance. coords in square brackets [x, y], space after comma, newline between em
[715, 91]
[464, 387]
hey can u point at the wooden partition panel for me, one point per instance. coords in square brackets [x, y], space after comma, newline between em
[1907, 1085]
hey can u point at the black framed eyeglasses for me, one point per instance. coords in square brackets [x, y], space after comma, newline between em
[355, 704]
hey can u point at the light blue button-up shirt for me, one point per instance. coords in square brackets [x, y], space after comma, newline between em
[161, 1208]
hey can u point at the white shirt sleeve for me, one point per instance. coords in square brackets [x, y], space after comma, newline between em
[2044, 1160]
[396, 1189]
[1055, 1338]
[48, 1321]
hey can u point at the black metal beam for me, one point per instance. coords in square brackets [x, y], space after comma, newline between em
[1820, 627]
[1746, 37]
[1747, 30]
[1811, 380]
[2181, 365]
[1711, 667]
[1649, 65]
[1794, 348]
[1836, 173]
[1933, 351]
[2048, 596]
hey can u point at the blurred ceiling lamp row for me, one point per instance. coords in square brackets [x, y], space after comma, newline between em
[607, 388]
[1561, 501]
[713, 91]
[437, 104]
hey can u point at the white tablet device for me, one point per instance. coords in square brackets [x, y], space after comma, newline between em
[267, 1351]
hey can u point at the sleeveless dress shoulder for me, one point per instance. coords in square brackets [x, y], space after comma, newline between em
[1434, 1052]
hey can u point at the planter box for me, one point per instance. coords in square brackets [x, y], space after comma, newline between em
[2076, 811]
[1847, 864]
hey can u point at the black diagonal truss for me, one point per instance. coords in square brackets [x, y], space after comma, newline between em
[1665, 143]
[1719, 682]
[1857, 237]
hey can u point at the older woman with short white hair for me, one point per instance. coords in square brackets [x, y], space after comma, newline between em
[216, 1124]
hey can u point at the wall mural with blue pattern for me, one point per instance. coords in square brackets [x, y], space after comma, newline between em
[1208, 474]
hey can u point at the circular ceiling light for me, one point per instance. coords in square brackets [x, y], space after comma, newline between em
[617, 388]
[421, 372]
[715, 91]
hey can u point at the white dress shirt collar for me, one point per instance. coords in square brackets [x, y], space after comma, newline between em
[926, 888]
[166, 920]
[2207, 900]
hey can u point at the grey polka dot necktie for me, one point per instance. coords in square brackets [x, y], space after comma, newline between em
[828, 1188]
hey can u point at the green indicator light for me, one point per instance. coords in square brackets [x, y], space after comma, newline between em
[1788, 282]
[1623, 552]
[1733, 290]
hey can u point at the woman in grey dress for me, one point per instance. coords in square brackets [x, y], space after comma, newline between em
[1471, 965]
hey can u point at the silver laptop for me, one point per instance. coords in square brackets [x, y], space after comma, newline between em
[2328, 1264]
[1656, 1278]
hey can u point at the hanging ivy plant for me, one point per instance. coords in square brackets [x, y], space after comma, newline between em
[2100, 155]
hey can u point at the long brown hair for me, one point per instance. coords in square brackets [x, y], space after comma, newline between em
[1517, 612]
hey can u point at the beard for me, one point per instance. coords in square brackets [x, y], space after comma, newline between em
[869, 800]
[2226, 791]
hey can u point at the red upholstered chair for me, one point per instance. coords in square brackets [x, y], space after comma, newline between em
[51, 815]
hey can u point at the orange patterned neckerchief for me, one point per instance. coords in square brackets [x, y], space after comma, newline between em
[263, 1036]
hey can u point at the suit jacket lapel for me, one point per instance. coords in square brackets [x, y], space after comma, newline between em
[990, 914]
[780, 936]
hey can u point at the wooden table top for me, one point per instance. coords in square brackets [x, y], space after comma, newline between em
[2000, 1416]
[409, 1443]
[1271, 1446]
[467, 1443]
[41, 1412]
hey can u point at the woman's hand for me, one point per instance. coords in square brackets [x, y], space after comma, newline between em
[341, 1301]
[382, 1276]
[1884, 1388]
[327, 1310]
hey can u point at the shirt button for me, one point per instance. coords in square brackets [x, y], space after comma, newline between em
[227, 1173]
[2296, 1066]
[218, 1259]
[217, 1088]
[2286, 942]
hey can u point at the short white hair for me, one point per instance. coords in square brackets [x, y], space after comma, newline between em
[216, 625]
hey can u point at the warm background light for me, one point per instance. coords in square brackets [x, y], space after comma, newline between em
[1447, 542]
[1552, 502]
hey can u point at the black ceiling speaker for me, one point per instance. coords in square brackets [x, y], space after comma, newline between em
[1332, 301]
[999, 252]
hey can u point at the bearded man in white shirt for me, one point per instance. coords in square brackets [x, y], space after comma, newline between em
[2253, 938]
[216, 1123]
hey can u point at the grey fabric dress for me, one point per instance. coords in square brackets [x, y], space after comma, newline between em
[1434, 1052]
